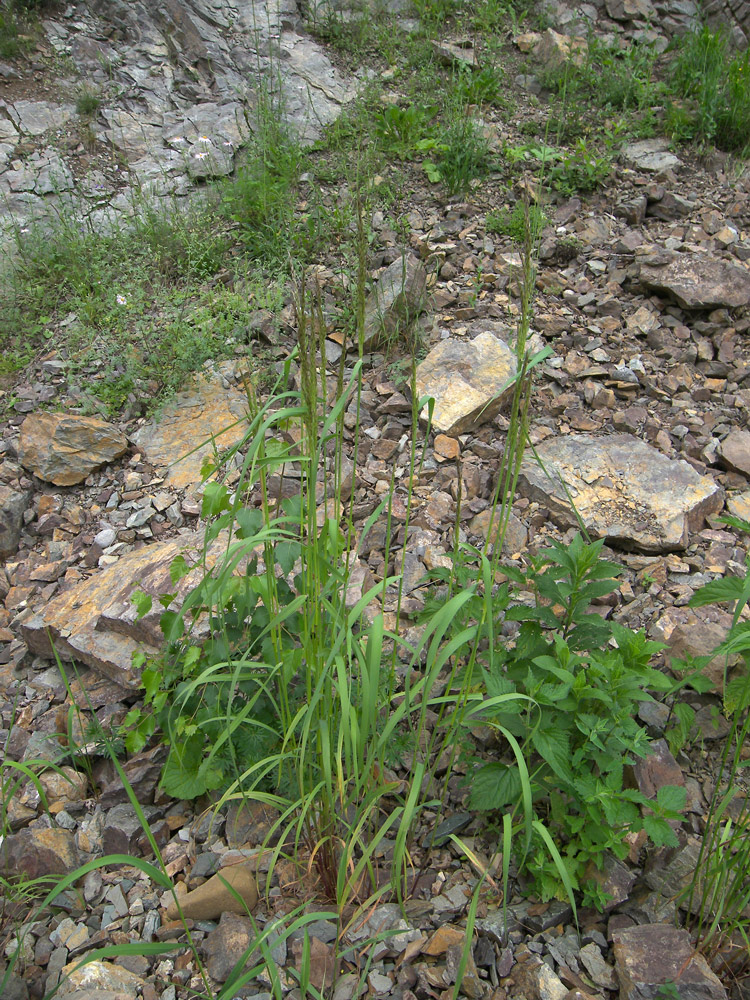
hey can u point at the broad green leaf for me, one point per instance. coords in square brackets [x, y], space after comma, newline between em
[215, 500]
[249, 521]
[671, 798]
[150, 681]
[286, 554]
[660, 833]
[178, 568]
[142, 602]
[728, 588]
[181, 775]
[494, 786]
[553, 747]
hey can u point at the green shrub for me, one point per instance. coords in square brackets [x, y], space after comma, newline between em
[479, 86]
[715, 84]
[581, 169]
[260, 196]
[610, 77]
[718, 897]
[12, 40]
[523, 223]
[401, 129]
[563, 699]
[464, 155]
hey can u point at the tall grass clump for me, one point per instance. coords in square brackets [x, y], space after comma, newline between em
[714, 84]
[295, 686]
[260, 197]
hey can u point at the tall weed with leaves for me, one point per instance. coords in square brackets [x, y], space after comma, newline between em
[563, 698]
[718, 898]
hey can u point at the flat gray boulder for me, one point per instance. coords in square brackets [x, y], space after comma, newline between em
[623, 489]
[697, 280]
[650, 155]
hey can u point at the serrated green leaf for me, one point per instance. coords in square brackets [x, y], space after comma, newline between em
[659, 832]
[143, 602]
[215, 500]
[737, 694]
[728, 588]
[150, 681]
[178, 568]
[553, 746]
[671, 798]
[494, 786]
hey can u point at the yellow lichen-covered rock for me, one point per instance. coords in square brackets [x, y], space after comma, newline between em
[469, 381]
[64, 449]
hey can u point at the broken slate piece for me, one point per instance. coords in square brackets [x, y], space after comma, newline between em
[735, 451]
[651, 155]
[651, 955]
[623, 489]
[96, 622]
[12, 507]
[697, 280]
[469, 382]
[196, 423]
[64, 449]
[215, 897]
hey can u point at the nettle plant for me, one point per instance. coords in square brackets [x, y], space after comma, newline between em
[562, 697]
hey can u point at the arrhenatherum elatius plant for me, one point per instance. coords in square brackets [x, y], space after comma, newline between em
[718, 897]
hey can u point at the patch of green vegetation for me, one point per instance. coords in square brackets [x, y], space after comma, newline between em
[489, 16]
[610, 77]
[462, 154]
[524, 222]
[401, 129]
[714, 83]
[480, 86]
[563, 696]
[88, 102]
[14, 39]
[260, 196]
[146, 309]
[581, 169]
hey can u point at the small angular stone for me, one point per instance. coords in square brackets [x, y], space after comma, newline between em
[12, 507]
[215, 897]
[659, 768]
[443, 938]
[735, 450]
[651, 155]
[99, 976]
[226, 945]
